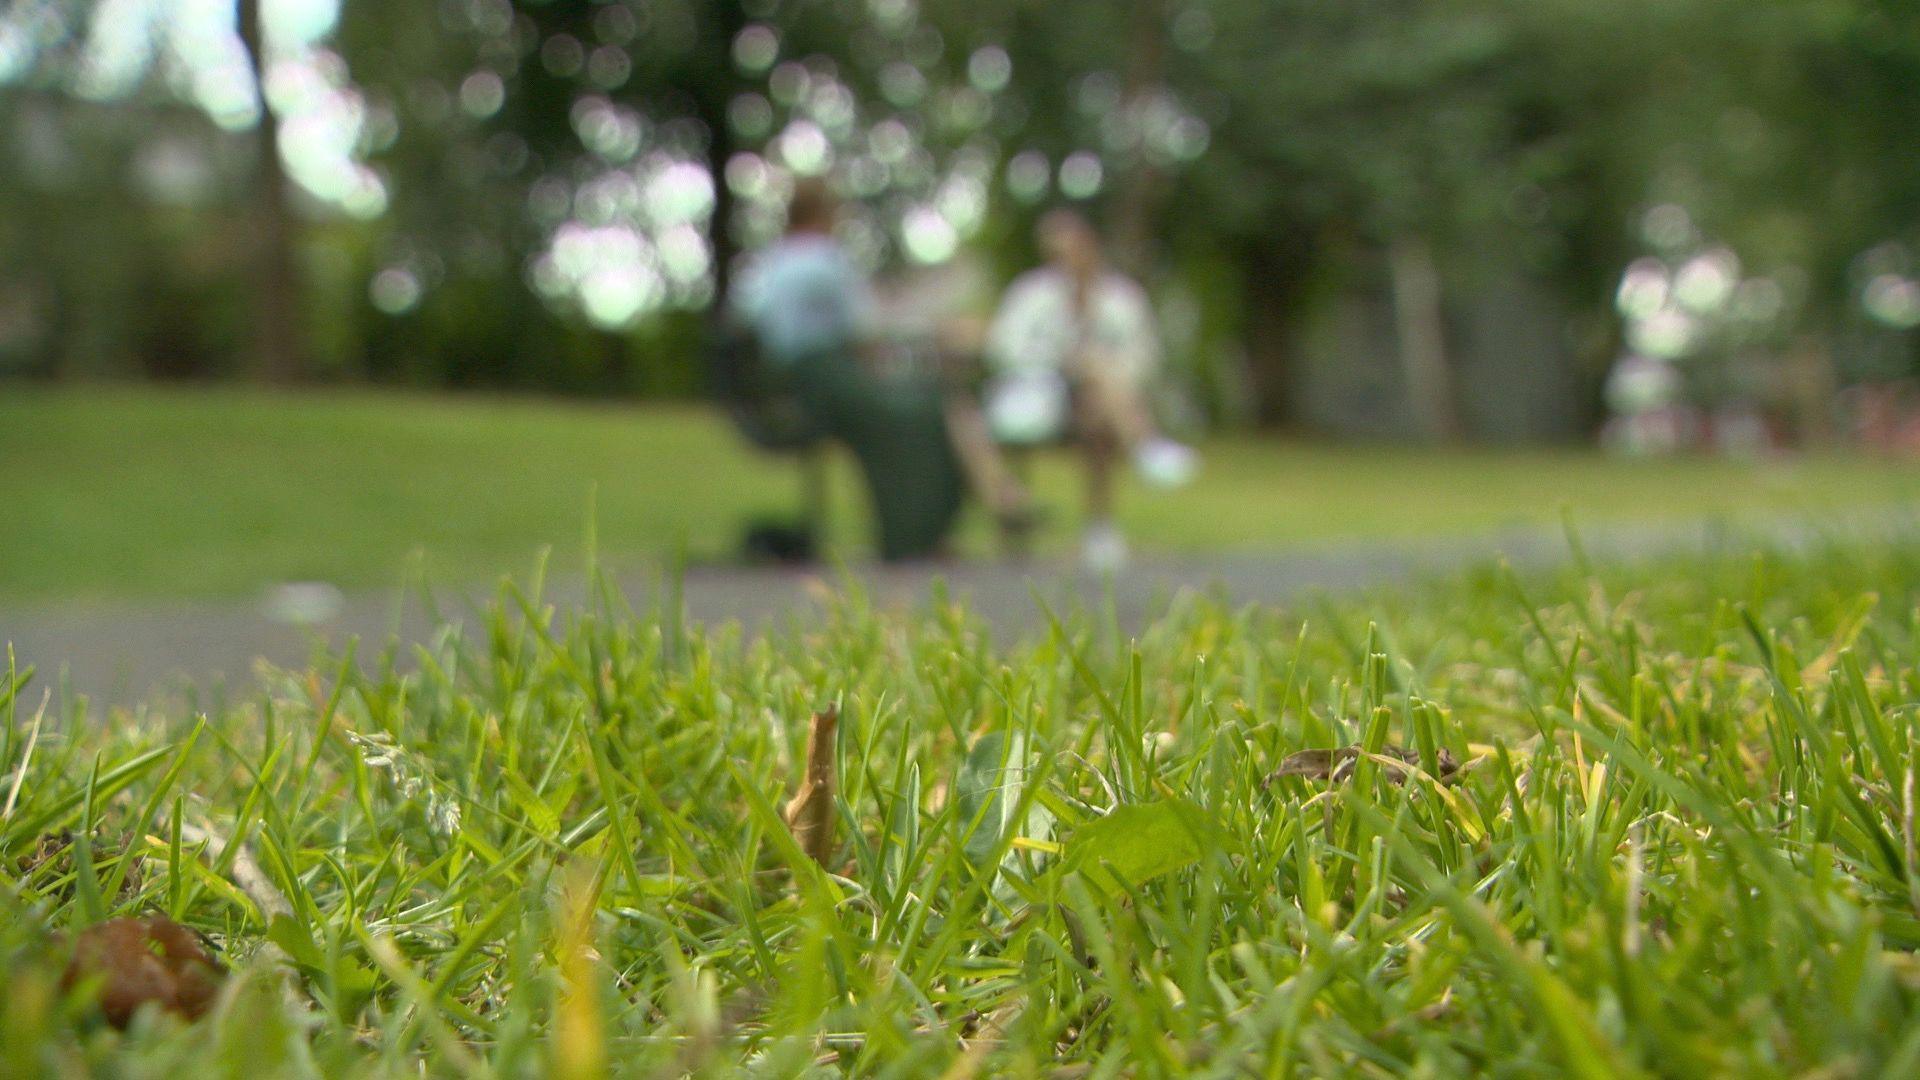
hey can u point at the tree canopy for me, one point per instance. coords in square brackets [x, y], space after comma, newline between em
[548, 193]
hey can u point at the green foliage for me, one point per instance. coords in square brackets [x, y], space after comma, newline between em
[1680, 842]
[1521, 139]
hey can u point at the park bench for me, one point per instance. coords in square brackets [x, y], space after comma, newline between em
[761, 402]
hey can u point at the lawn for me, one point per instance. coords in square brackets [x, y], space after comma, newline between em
[1654, 822]
[112, 491]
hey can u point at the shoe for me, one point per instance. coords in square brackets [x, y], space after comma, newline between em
[1017, 526]
[1165, 463]
[1102, 549]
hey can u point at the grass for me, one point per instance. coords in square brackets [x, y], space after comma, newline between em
[1680, 841]
[137, 492]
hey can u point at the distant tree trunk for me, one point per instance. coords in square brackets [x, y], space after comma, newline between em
[1272, 277]
[1420, 324]
[1814, 386]
[1136, 204]
[278, 342]
[714, 92]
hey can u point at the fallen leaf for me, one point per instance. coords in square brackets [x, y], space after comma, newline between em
[1140, 841]
[1313, 764]
[987, 791]
[145, 960]
[1337, 765]
[811, 812]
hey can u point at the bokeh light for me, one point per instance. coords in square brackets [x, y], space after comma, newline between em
[482, 94]
[1667, 227]
[1706, 282]
[1643, 289]
[927, 236]
[1893, 300]
[803, 147]
[990, 69]
[1081, 175]
[756, 48]
[1029, 176]
[395, 290]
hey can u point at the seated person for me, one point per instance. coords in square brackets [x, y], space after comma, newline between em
[1072, 348]
[810, 309]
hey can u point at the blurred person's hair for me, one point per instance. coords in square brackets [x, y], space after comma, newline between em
[813, 206]
[1065, 219]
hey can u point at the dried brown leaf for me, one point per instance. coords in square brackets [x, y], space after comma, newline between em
[1337, 765]
[1312, 764]
[810, 815]
[145, 960]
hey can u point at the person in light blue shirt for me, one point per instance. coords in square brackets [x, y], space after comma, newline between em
[811, 313]
[803, 295]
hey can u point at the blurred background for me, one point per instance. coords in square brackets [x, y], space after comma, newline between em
[1673, 229]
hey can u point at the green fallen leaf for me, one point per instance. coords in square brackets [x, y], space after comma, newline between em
[1139, 842]
[987, 791]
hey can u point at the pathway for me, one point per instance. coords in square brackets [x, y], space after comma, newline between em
[123, 652]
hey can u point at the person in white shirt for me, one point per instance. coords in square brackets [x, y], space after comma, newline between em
[1072, 349]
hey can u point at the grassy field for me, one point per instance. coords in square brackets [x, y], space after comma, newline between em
[1657, 822]
[141, 492]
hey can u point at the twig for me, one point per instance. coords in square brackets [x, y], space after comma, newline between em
[247, 874]
[254, 883]
[1907, 834]
[26, 759]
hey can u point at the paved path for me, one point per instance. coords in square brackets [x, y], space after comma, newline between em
[123, 653]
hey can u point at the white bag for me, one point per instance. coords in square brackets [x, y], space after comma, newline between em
[1030, 407]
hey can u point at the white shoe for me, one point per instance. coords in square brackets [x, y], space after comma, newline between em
[1165, 463]
[303, 603]
[1102, 549]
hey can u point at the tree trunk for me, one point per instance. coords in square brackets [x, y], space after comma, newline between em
[1814, 387]
[1136, 203]
[279, 346]
[1269, 290]
[1420, 324]
[714, 92]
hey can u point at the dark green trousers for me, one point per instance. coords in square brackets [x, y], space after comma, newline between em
[897, 431]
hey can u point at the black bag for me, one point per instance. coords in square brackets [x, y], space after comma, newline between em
[757, 397]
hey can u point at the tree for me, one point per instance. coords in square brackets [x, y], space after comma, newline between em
[278, 311]
[563, 184]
